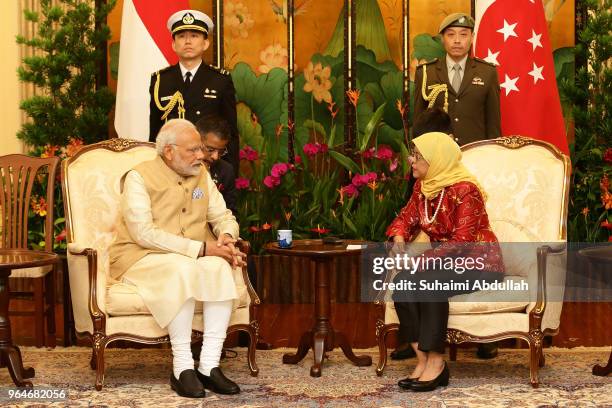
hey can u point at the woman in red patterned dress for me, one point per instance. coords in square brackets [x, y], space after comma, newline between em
[447, 204]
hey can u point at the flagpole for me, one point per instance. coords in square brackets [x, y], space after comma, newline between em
[350, 112]
[290, 83]
[218, 49]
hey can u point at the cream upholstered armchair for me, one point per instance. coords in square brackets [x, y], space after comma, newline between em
[105, 311]
[527, 183]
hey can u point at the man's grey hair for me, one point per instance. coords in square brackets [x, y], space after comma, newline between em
[168, 133]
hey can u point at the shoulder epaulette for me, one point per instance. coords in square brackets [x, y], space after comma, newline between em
[219, 70]
[427, 62]
[161, 70]
[484, 62]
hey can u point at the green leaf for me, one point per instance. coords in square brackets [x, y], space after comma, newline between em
[316, 126]
[345, 161]
[427, 47]
[250, 133]
[364, 139]
[332, 137]
[263, 94]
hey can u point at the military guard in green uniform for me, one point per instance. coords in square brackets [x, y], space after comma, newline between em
[191, 88]
[465, 87]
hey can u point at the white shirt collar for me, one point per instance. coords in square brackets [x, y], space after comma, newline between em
[451, 62]
[192, 70]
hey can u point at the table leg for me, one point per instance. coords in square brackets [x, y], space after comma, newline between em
[359, 361]
[303, 347]
[10, 354]
[603, 371]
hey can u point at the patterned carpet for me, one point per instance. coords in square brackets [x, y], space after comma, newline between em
[139, 378]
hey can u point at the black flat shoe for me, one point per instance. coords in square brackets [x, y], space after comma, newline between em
[406, 382]
[217, 382]
[440, 380]
[402, 354]
[188, 385]
[487, 351]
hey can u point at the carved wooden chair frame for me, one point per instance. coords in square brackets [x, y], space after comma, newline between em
[535, 335]
[99, 339]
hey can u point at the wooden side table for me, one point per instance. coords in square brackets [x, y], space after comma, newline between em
[321, 337]
[9, 354]
[600, 256]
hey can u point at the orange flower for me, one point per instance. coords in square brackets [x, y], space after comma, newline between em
[49, 151]
[73, 147]
[332, 111]
[373, 185]
[400, 107]
[606, 200]
[39, 206]
[278, 130]
[585, 211]
[266, 226]
[353, 95]
[290, 124]
[288, 216]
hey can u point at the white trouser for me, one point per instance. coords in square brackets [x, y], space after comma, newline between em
[216, 319]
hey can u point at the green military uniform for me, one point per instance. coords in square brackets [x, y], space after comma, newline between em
[474, 111]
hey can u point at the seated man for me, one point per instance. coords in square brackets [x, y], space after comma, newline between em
[216, 132]
[163, 248]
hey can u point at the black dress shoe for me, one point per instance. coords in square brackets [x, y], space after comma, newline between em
[487, 351]
[188, 385]
[403, 354]
[406, 382]
[440, 380]
[217, 382]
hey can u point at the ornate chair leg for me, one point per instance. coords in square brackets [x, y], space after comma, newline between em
[535, 350]
[541, 360]
[99, 345]
[381, 337]
[253, 331]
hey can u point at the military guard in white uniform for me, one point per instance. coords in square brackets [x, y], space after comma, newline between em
[191, 88]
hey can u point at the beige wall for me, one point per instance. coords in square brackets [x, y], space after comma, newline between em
[10, 89]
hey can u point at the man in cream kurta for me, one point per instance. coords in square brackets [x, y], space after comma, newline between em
[163, 248]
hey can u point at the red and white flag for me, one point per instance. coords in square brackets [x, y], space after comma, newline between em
[146, 46]
[513, 35]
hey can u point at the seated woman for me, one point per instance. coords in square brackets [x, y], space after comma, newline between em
[447, 204]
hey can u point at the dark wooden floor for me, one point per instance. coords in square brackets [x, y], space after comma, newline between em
[582, 324]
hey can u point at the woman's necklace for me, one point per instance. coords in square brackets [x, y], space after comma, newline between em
[427, 219]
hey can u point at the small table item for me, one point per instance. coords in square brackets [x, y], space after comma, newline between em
[321, 337]
[599, 255]
[9, 354]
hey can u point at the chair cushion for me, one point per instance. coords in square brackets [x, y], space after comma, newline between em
[479, 303]
[123, 300]
[35, 272]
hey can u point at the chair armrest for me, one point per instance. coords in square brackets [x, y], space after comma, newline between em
[245, 246]
[547, 276]
[87, 286]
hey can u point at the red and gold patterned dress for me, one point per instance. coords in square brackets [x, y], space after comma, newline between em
[462, 218]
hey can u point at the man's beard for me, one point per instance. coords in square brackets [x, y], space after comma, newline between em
[185, 169]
